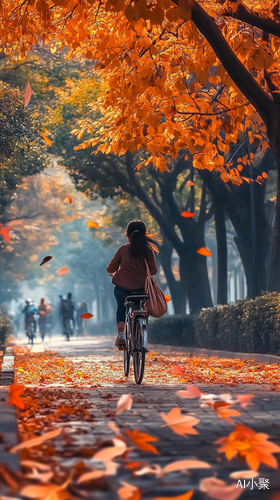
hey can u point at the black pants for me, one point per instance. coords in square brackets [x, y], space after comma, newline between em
[120, 295]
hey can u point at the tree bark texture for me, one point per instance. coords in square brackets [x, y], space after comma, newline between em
[221, 238]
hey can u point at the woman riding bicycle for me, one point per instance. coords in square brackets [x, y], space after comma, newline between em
[129, 270]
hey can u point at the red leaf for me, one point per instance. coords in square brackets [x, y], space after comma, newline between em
[27, 94]
[203, 251]
[45, 260]
[177, 370]
[86, 315]
[188, 215]
[190, 183]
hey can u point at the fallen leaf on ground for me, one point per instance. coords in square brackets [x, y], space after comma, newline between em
[68, 199]
[14, 395]
[43, 477]
[181, 465]
[177, 370]
[111, 469]
[244, 442]
[86, 315]
[27, 94]
[128, 492]
[92, 225]
[223, 410]
[109, 453]
[7, 476]
[46, 139]
[204, 251]
[187, 215]
[191, 392]
[141, 440]
[37, 465]
[36, 441]
[215, 488]
[180, 424]
[124, 403]
[62, 270]
[45, 260]
[244, 474]
[46, 491]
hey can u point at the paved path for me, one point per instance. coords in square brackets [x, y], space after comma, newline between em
[148, 402]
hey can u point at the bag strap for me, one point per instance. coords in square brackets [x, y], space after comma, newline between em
[147, 268]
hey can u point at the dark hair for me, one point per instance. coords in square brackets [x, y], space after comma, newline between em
[69, 295]
[141, 244]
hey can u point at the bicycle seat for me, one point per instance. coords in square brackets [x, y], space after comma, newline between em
[137, 296]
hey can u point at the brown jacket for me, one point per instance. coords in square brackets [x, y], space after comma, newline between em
[129, 274]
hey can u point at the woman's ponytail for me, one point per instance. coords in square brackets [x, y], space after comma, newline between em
[141, 245]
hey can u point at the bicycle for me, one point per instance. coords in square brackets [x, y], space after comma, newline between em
[67, 328]
[30, 332]
[42, 326]
[136, 330]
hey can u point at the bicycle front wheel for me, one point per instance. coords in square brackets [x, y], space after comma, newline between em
[139, 354]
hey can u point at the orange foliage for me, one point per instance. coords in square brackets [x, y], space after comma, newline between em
[141, 440]
[14, 395]
[254, 447]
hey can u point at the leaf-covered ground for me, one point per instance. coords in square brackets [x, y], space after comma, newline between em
[49, 369]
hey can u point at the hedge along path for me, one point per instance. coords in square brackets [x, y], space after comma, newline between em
[49, 369]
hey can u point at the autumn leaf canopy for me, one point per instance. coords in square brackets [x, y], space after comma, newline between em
[174, 71]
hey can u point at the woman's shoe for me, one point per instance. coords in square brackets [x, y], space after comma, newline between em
[121, 342]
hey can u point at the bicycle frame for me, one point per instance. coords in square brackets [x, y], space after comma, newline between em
[132, 315]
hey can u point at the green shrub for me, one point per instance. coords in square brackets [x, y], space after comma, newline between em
[247, 326]
[6, 328]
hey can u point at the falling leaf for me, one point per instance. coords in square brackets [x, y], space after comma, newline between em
[36, 441]
[7, 476]
[141, 440]
[45, 260]
[244, 442]
[128, 492]
[27, 94]
[111, 469]
[185, 496]
[62, 270]
[215, 488]
[109, 453]
[92, 225]
[46, 139]
[191, 392]
[177, 370]
[124, 403]
[187, 215]
[245, 399]
[45, 491]
[68, 199]
[190, 183]
[113, 426]
[223, 410]
[244, 474]
[180, 424]
[167, 298]
[86, 315]
[35, 465]
[43, 477]
[14, 395]
[181, 465]
[5, 231]
[204, 251]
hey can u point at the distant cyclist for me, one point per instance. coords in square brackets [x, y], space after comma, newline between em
[42, 308]
[81, 309]
[67, 308]
[30, 311]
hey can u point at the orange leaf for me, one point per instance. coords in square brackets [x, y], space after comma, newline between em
[92, 224]
[190, 183]
[128, 492]
[14, 395]
[180, 424]
[204, 251]
[68, 199]
[27, 94]
[109, 453]
[36, 441]
[124, 403]
[86, 315]
[191, 392]
[140, 439]
[181, 465]
[223, 411]
[215, 488]
[185, 496]
[167, 298]
[46, 139]
[177, 370]
[45, 260]
[62, 270]
[245, 399]
[264, 175]
[5, 233]
[187, 215]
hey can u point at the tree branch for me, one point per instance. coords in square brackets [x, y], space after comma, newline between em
[247, 16]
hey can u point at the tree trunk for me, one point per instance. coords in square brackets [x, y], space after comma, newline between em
[274, 277]
[221, 238]
[177, 291]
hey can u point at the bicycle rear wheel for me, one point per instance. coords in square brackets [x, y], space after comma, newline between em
[126, 353]
[139, 354]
